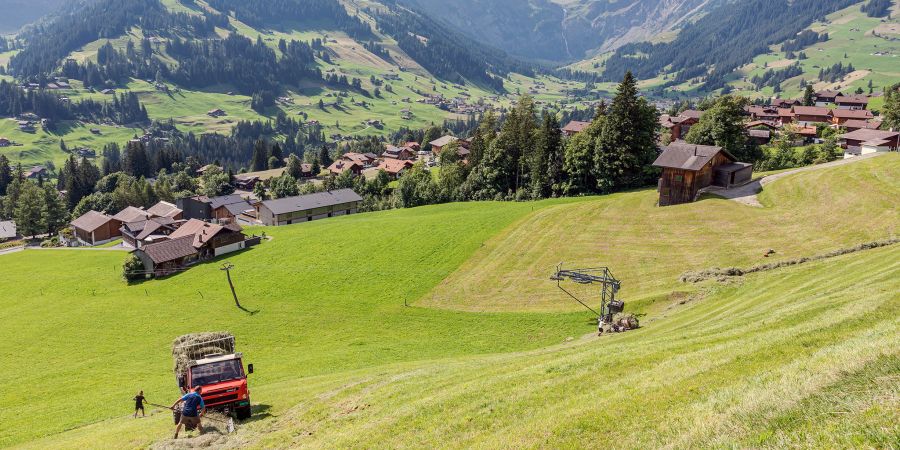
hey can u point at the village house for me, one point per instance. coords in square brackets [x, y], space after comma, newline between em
[26, 126]
[826, 97]
[810, 115]
[767, 113]
[413, 145]
[840, 116]
[4, 142]
[7, 230]
[305, 208]
[340, 166]
[851, 101]
[165, 209]
[784, 103]
[688, 168]
[865, 141]
[441, 142]
[210, 239]
[216, 113]
[402, 153]
[95, 228]
[246, 183]
[144, 232]
[395, 167]
[203, 169]
[36, 172]
[574, 127]
[853, 125]
[222, 209]
[131, 214]
[679, 126]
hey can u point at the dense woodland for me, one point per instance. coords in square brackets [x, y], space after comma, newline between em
[877, 8]
[725, 39]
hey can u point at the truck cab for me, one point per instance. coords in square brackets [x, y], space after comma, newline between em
[224, 383]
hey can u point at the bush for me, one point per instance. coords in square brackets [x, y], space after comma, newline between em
[133, 269]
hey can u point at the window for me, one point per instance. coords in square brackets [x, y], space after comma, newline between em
[677, 178]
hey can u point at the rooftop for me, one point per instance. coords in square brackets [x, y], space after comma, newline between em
[681, 155]
[311, 201]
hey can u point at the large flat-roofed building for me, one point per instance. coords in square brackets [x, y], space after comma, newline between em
[304, 208]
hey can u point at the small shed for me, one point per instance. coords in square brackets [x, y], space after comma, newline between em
[734, 174]
[687, 168]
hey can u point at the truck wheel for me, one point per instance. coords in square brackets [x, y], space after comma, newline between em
[242, 413]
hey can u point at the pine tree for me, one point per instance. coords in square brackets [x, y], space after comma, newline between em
[544, 170]
[260, 160]
[809, 96]
[294, 167]
[53, 213]
[628, 140]
[27, 210]
[722, 125]
[6, 175]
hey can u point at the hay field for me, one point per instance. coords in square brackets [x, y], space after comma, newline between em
[341, 361]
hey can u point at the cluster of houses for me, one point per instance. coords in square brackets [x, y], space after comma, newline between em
[395, 160]
[849, 113]
[162, 236]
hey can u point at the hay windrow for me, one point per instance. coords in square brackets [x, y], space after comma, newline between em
[723, 274]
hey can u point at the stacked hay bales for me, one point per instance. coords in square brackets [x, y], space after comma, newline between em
[194, 346]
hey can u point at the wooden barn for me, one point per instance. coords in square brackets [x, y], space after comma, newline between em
[687, 168]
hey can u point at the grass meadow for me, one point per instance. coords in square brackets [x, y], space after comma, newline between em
[342, 361]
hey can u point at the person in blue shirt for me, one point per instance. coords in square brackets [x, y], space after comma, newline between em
[192, 410]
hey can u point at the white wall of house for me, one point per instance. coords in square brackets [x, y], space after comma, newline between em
[229, 248]
[866, 149]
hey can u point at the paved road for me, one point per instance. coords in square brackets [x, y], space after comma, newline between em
[747, 194]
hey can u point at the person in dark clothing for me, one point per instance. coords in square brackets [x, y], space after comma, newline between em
[139, 404]
[192, 411]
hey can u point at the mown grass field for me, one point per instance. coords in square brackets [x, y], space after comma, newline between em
[330, 298]
[649, 247]
[341, 361]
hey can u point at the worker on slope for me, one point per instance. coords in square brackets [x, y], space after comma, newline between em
[191, 412]
[139, 404]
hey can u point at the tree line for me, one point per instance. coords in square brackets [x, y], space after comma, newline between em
[124, 108]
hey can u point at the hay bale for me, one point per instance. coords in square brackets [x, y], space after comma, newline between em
[190, 347]
[626, 321]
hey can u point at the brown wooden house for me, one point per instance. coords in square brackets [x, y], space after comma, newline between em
[687, 168]
[95, 228]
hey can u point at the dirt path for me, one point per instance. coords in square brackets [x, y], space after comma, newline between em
[747, 194]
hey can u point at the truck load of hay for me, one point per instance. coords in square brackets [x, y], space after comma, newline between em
[620, 322]
[194, 346]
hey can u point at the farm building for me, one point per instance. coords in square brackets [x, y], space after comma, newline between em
[687, 168]
[95, 228]
[167, 257]
[131, 214]
[4, 142]
[340, 166]
[36, 172]
[441, 142]
[824, 98]
[864, 141]
[304, 208]
[853, 125]
[574, 127]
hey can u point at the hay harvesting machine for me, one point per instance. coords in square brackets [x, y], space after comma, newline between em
[609, 286]
[209, 360]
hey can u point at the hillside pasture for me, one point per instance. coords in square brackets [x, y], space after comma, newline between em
[648, 247]
[43, 145]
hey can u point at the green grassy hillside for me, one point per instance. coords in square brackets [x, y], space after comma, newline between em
[871, 44]
[649, 247]
[342, 362]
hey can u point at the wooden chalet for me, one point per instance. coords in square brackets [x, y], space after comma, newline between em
[395, 167]
[574, 127]
[840, 116]
[853, 125]
[95, 228]
[851, 101]
[865, 141]
[679, 125]
[441, 142]
[167, 257]
[826, 97]
[808, 115]
[688, 168]
[401, 153]
[144, 232]
[340, 166]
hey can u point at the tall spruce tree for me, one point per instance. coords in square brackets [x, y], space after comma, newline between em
[628, 140]
[27, 210]
[809, 96]
[544, 168]
[723, 125]
[53, 211]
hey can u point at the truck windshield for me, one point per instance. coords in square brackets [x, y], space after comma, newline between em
[216, 372]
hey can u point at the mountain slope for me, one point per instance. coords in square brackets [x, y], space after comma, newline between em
[563, 30]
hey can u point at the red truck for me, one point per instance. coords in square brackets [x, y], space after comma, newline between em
[209, 360]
